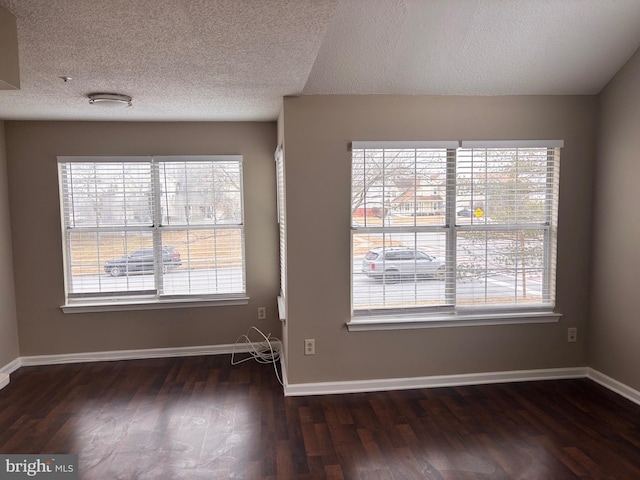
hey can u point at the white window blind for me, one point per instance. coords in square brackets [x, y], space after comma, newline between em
[158, 227]
[506, 246]
[484, 213]
[282, 226]
[400, 236]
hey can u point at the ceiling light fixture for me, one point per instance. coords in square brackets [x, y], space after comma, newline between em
[110, 100]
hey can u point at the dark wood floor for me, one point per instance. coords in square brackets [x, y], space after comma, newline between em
[199, 418]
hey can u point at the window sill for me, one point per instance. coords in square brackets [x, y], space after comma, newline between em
[405, 322]
[149, 304]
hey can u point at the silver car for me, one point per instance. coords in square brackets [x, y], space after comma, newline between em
[392, 264]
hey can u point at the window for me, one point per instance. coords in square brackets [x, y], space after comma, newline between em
[152, 228]
[282, 229]
[453, 227]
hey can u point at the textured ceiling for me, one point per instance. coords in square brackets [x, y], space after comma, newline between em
[178, 59]
[236, 59]
[475, 47]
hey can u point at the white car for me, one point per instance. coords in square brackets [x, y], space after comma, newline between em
[392, 264]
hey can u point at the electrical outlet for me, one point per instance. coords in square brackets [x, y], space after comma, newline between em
[310, 346]
[572, 334]
[262, 313]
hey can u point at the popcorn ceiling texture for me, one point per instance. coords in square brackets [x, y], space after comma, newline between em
[475, 47]
[178, 59]
[236, 59]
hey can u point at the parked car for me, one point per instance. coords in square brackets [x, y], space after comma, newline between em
[392, 264]
[141, 261]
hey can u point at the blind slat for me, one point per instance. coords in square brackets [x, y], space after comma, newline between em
[161, 227]
[489, 214]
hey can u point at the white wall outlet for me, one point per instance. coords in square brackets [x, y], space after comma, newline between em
[572, 334]
[310, 346]
[262, 313]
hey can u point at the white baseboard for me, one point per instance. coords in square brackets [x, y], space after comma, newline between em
[327, 388]
[7, 370]
[33, 360]
[133, 354]
[614, 385]
[11, 367]
[283, 372]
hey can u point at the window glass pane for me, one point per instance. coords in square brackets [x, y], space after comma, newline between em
[388, 274]
[398, 187]
[203, 261]
[107, 194]
[201, 193]
[501, 268]
[498, 245]
[121, 237]
[503, 186]
[104, 262]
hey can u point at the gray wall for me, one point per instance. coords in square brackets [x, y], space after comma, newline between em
[9, 350]
[615, 324]
[317, 132]
[32, 148]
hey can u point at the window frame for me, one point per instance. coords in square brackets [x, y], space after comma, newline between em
[149, 298]
[455, 314]
[281, 204]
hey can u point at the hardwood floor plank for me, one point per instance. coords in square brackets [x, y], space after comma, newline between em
[200, 418]
[333, 472]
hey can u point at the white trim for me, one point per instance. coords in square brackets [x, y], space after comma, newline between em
[198, 158]
[377, 385]
[7, 370]
[283, 371]
[104, 158]
[148, 158]
[512, 144]
[36, 360]
[33, 360]
[459, 144]
[614, 385]
[404, 322]
[327, 388]
[106, 306]
[11, 367]
[401, 144]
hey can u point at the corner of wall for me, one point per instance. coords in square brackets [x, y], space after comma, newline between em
[612, 325]
[4, 380]
[9, 341]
